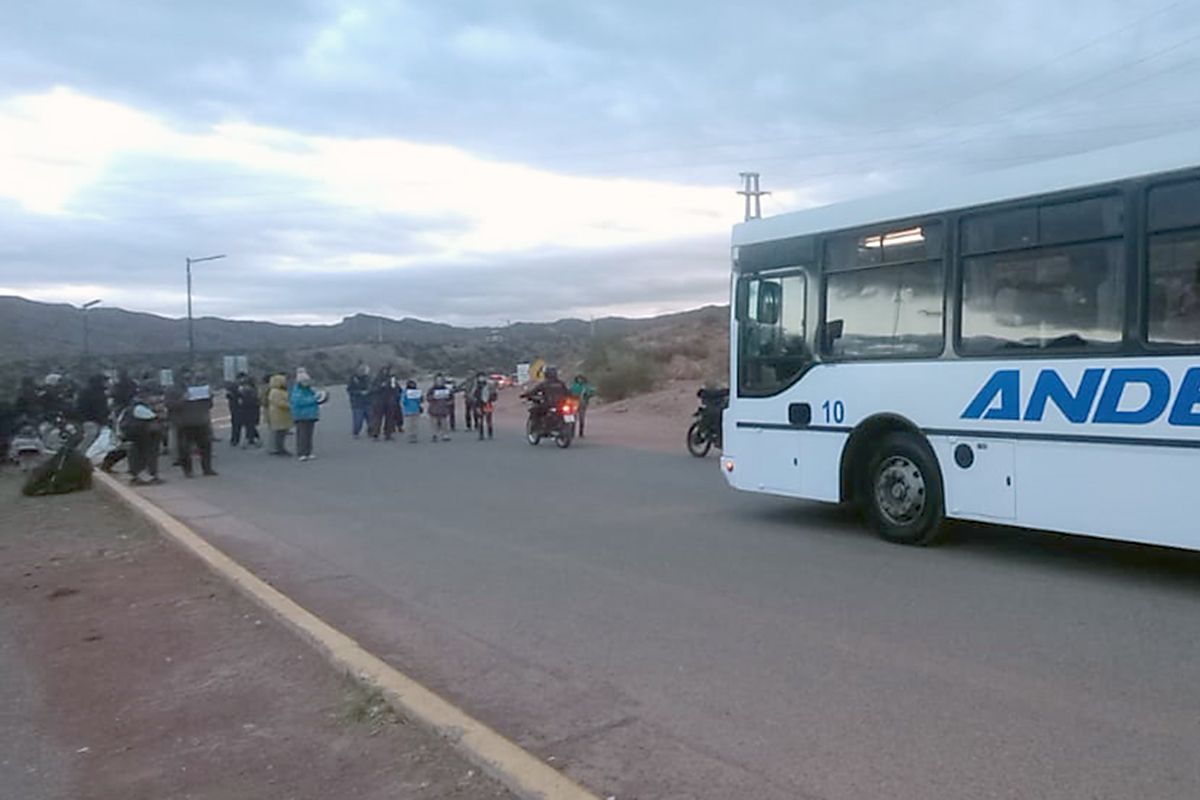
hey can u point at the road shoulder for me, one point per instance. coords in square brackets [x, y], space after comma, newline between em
[149, 676]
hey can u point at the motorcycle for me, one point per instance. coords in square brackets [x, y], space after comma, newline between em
[705, 431]
[557, 420]
[25, 447]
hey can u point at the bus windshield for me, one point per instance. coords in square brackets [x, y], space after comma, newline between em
[772, 331]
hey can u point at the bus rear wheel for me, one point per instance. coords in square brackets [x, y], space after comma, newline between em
[902, 491]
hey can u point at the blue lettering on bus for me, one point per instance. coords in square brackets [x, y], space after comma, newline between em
[1005, 384]
[1050, 386]
[1000, 397]
[1186, 410]
[1157, 381]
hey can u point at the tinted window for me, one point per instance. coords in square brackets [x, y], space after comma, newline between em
[1174, 288]
[772, 332]
[1001, 230]
[1176, 205]
[1095, 218]
[891, 311]
[1064, 297]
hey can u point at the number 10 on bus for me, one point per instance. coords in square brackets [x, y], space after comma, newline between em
[835, 412]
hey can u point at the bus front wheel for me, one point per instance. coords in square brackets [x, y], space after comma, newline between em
[902, 490]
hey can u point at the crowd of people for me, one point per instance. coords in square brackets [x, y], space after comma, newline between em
[145, 419]
[385, 405]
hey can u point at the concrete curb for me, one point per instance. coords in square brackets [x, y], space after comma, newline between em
[522, 772]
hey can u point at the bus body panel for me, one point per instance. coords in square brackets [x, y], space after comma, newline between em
[1097, 446]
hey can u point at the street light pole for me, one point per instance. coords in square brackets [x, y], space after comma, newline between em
[87, 350]
[191, 332]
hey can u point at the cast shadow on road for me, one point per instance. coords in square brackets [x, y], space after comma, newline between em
[1042, 550]
[1075, 554]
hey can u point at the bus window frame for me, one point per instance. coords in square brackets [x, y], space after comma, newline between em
[1129, 239]
[1145, 234]
[823, 273]
[741, 281]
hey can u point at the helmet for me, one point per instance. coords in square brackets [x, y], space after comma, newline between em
[551, 373]
[411, 384]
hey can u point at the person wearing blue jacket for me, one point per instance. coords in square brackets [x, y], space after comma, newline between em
[411, 402]
[306, 410]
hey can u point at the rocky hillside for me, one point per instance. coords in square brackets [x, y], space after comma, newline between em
[36, 338]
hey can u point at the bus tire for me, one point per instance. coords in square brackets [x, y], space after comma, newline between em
[901, 492]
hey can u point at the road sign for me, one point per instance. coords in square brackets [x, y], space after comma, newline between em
[537, 370]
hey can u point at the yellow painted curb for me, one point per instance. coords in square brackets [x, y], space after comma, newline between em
[519, 770]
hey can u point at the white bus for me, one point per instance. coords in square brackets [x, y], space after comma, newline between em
[1022, 348]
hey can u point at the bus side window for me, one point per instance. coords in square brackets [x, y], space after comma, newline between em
[1174, 264]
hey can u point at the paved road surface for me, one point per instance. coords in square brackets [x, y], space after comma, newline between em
[659, 635]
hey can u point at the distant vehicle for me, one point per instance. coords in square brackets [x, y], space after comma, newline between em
[502, 381]
[1022, 348]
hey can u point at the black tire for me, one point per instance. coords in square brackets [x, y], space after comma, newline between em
[901, 490]
[697, 443]
[531, 436]
[564, 437]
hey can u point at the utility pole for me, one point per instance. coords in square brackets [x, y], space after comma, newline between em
[191, 332]
[87, 350]
[751, 191]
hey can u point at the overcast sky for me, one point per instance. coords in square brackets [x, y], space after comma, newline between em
[476, 162]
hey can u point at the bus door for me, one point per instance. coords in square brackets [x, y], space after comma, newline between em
[773, 351]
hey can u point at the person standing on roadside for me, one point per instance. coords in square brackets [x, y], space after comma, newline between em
[469, 405]
[451, 414]
[248, 397]
[582, 391]
[124, 390]
[141, 428]
[189, 402]
[410, 404]
[306, 410]
[383, 404]
[483, 400]
[359, 390]
[440, 399]
[237, 411]
[279, 415]
[92, 408]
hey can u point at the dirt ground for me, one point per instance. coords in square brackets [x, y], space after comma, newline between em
[131, 672]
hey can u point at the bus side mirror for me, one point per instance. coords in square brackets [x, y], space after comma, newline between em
[832, 331]
[770, 298]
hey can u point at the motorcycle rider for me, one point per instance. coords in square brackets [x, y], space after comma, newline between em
[546, 395]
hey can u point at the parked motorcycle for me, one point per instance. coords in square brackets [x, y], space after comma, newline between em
[557, 421]
[705, 431]
[25, 447]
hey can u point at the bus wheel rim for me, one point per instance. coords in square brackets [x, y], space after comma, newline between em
[900, 490]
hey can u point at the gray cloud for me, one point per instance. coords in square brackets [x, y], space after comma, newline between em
[842, 99]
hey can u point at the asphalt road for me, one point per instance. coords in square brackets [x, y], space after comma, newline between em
[659, 635]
